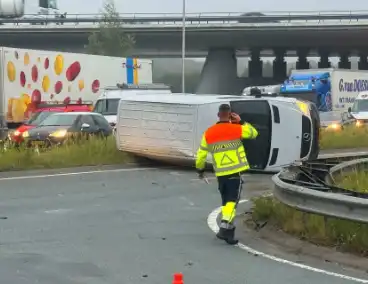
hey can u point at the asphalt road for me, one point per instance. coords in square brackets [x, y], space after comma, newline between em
[125, 227]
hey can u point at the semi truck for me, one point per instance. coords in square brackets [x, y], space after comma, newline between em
[330, 89]
[30, 78]
[21, 8]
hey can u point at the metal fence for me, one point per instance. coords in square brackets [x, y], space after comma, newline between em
[310, 188]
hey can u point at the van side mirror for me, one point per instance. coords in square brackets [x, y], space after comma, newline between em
[349, 110]
[85, 126]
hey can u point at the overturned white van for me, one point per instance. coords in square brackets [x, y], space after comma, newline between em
[169, 127]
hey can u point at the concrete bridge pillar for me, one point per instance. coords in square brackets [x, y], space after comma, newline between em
[219, 73]
[324, 61]
[279, 65]
[363, 62]
[255, 65]
[344, 62]
[302, 62]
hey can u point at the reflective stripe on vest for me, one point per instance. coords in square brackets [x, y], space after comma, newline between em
[228, 155]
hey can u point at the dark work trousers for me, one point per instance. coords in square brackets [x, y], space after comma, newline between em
[230, 188]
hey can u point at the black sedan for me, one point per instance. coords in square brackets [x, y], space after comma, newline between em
[59, 127]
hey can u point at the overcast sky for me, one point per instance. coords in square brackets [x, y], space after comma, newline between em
[175, 6]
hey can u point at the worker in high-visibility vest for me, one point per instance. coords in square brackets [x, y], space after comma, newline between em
[224, 141]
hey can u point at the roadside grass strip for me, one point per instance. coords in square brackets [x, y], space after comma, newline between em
[91, 152]
[348, 137]
[97, 151]
[347, 236]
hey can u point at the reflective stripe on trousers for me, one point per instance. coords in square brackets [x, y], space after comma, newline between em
[227, 221]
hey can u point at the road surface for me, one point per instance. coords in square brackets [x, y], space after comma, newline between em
[126, 226]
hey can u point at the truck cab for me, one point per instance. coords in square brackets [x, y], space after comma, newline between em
[313, 87]
[108, 101]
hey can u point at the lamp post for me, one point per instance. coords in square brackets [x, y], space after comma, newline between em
[183, 51]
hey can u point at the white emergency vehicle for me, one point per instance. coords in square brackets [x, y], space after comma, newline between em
[359, 111]
[170, 127]
[108, 101]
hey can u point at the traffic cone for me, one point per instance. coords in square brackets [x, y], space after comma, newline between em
[178, 278]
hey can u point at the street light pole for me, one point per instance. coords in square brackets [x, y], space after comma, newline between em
[183, 50]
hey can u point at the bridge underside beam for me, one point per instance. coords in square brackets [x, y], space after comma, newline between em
[168, 44]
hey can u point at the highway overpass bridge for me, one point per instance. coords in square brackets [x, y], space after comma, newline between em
[219, 38]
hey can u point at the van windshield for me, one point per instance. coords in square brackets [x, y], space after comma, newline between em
[257, 113]
[107, 106]
[360, 106]
[38, 117]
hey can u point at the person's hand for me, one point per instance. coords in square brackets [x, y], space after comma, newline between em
[235, 118]
[200, 174]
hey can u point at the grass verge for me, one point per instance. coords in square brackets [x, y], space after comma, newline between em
[87, 153]
[344, 235]
[349, 137]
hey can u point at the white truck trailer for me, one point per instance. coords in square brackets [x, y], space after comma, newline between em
[29, 8]
[30, 77]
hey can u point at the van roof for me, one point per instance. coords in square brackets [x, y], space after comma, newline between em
[118, 93]
[195, 99]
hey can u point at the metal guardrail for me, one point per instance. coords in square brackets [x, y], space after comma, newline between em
[198, 18]
[310, 188]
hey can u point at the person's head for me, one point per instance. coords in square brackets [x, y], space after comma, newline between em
[224, 113]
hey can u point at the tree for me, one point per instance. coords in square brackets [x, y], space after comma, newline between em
[110, 38]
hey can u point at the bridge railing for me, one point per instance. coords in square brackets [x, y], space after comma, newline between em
[196, 18]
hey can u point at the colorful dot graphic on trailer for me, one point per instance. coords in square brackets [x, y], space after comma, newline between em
[36, 78]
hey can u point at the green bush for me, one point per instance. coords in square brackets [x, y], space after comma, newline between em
[85, 153]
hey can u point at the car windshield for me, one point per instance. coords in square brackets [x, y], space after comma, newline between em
[38, 117]
[360, 105]
[59, 119]
[107, 106]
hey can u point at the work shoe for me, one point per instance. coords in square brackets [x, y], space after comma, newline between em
[230, 237]
[222, 234]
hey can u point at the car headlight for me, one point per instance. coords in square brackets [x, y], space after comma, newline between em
[334, 126]
[16, 133]
[304, 108]
[59, 133]
[358, 123]
[25, 134]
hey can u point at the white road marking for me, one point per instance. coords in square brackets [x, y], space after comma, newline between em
[76, 173]
[58, 211]
[187, 200]
[212, 224]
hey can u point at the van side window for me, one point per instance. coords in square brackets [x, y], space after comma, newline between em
[101, 122]
[276, 114]
[99, 106]
[87, 119]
